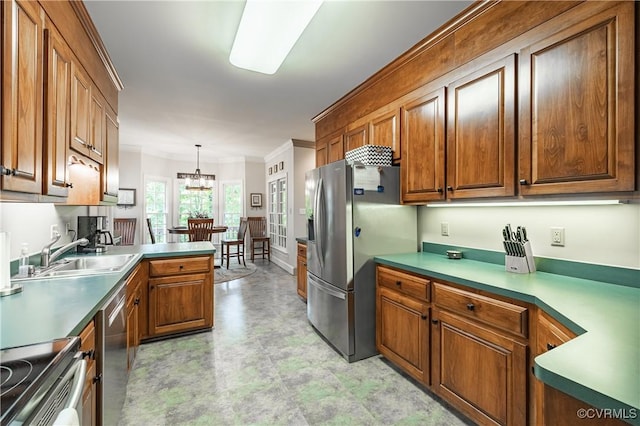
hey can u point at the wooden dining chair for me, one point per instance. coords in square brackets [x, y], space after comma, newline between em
[200, 229]
[260, 242]
[238, 243]
[150, 228]
[126, 228]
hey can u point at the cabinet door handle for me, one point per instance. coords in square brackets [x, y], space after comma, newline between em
[434, 321]
[424, 317]
[550, 346]
[97, 378]
[136, 301]
[470, 307]
[68, 185]
[524, 182]
[439, 190]
[5, 171]
[91, 354]
[450, 188]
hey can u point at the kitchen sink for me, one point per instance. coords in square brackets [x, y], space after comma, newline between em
[83, 265]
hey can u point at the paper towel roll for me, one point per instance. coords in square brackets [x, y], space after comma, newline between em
[5, 259]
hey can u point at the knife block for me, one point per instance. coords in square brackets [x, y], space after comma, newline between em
[521, 264]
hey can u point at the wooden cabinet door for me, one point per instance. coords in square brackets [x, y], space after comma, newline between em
[402, 332]
[321, 153]
[98, 126]
[481, 372]
[89, 394]
[89, 414]
[80, 109]
[481, 133]
[57, 112]
[385, 131]
[577, 112]
[302, 271]
[335, 148]
[423, 145]
[110, 168]
[22, 59]
[356, 138]
[180, 303]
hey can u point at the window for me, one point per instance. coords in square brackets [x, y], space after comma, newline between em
[156, 208]
[278, 212]
[231, 207]
[193, 203]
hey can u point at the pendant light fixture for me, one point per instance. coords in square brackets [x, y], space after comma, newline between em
[197, 181]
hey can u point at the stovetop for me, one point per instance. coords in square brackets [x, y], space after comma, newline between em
[26, 369]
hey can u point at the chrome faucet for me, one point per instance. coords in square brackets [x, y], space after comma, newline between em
[46, 257]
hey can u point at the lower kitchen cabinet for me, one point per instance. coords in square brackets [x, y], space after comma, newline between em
[302, 271]
[180, 292]
[402, 332]
[89, 415]
[553, 407]
[402, 321]
[135, 283]
[480, 371]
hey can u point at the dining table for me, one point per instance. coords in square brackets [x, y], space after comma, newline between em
[184, 230]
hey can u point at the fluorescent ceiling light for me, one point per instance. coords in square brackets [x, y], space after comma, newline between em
[532, 203]
[267, 32]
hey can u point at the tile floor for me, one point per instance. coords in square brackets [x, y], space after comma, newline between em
[263, 364]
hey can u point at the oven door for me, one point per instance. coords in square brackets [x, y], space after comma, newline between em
[61, 404]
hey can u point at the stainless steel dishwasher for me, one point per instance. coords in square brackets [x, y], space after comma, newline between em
[111, 357]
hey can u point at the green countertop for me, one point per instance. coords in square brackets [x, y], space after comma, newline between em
[602, 365]
[51, 308]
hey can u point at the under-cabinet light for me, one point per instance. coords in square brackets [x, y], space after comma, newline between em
[267, 32]
[532, 203]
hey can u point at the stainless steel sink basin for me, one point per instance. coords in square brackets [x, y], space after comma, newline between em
[83, 265]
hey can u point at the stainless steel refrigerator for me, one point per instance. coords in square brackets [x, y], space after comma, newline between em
[353, 213]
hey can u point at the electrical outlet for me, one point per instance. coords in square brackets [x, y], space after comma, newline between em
[444, 229]
[557, 236]
[54, 230]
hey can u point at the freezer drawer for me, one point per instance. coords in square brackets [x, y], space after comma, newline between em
[330, 311]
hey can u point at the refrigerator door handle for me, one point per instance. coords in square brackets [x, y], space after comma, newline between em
[319, 225]
[324, 289]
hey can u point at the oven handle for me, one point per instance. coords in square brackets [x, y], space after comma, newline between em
[78, 381]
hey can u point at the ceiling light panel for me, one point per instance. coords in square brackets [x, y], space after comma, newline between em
[267, 32]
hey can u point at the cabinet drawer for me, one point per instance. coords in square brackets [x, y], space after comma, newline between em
[503, 315]
[550, 334]
[409, 284]
[302, 250]
[179, 266]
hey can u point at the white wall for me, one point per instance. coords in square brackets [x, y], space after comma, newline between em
[31, 223]
[605, 235]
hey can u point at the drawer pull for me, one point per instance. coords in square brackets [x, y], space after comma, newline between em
[434, 321]
[398, 283]
[470, 307]
[550, 346]
[181, 266]
[424, 317]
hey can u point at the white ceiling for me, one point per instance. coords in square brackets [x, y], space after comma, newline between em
[181, 90]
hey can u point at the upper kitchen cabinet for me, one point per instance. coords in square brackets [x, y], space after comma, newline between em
[423, 145]
[335, 148]
[481, 132]
[22, 97]
[58, 87]
[356, 137]
[57, 131]
[110, 170]
[321, 152]
[577, 112]
[384, 130]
